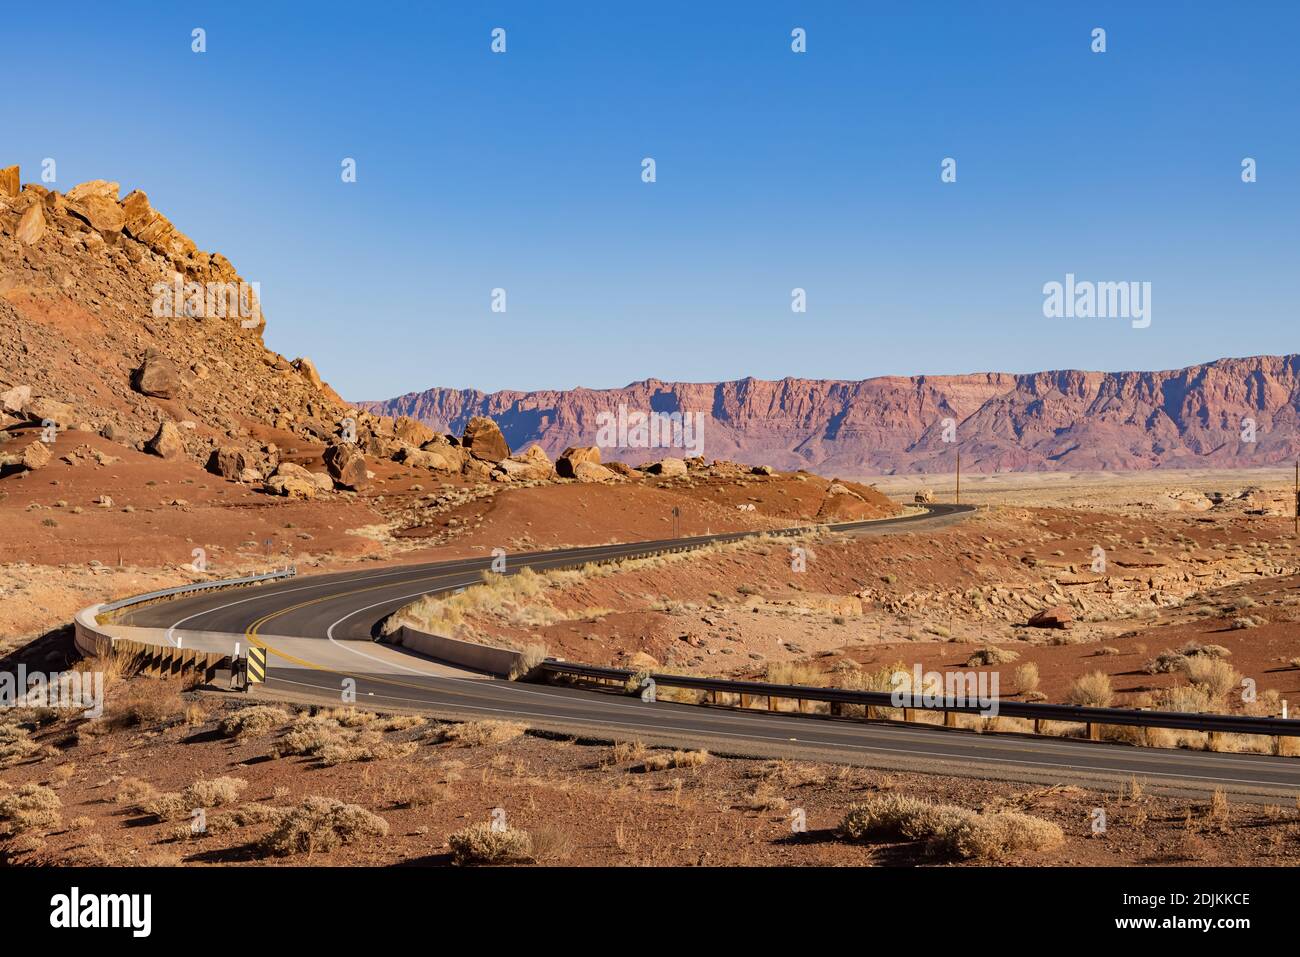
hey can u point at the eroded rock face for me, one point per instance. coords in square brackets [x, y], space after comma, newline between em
[9, 185]
[1064, 419]
[16, 399]
[347, 466]
[484, 441]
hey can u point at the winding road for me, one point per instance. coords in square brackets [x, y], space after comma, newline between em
[319, 631]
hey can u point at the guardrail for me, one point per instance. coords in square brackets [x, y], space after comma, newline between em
[289, 572]
[160, 660]
[1093, 718]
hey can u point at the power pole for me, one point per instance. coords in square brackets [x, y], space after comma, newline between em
[959, 476]
[1296, 521]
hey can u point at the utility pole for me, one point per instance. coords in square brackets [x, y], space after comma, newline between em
[1296, 521]
[959, 476]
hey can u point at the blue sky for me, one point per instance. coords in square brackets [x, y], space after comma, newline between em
[775, 170]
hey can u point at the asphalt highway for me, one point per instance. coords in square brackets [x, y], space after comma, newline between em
[320, 631]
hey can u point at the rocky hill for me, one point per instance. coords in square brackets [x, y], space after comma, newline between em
[113, 321]
[1065, 420]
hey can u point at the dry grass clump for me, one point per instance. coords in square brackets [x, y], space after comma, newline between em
[472, 734]
[1092, 690]
[624, 752]
[794, 673]
[16, 745]
[367, 746]
[253, 721]
[144, 703]
[992, 655]
[763, 798]
[480, 844]
[321, 824]
[675, 759]
[529, 658]
[216, 792]
[1026, 677]
[311, 734]
[1170, 661]
[1214, 676]
[30, 807]
[949, 830]
[552, 844]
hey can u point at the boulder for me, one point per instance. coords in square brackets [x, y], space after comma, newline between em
[96, 203]
[569, 459]
[16, 399]
[9, 184]
[291, 487]
[534, 463]
[484, 440]
[591, 472]
[166, 442]
[347, 466]
[762, 470]
[32, 225]
[157, 376]
[623, 469]
[420, 459]
[476, 470]
[412, 431]
[228, 462]
[307, 369]
[924, 497]
[669, 468]
[1058, 616]
[30, 457]
[250, 476]
[44, 410]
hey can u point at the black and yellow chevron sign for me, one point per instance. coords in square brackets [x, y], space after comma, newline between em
[256, 665]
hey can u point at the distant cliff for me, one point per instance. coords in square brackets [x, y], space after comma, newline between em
[1201, 416]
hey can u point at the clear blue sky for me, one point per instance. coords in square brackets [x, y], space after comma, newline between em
[775, 170]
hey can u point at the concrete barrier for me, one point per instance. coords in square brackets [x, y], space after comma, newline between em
[464, 654]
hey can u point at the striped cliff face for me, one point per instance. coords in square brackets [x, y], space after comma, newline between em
[1231, 413]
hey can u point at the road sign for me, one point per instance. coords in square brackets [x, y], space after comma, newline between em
[256, 665]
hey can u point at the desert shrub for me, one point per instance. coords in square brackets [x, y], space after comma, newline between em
[30, 807]
[1195, 648]
[165, 806]
[1091, 690]
[132, 791]
[676, 759]
[949, 830]
[995, 837]
[1212, 675]
[480, 844]
[254, 721]
[1026, 677]
[310, 735]
[16, 745]
[1165, 663]
[624, 751]
[321, 824]
[475, 733]
[214, 793]
[368, 746]
[991, 655]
